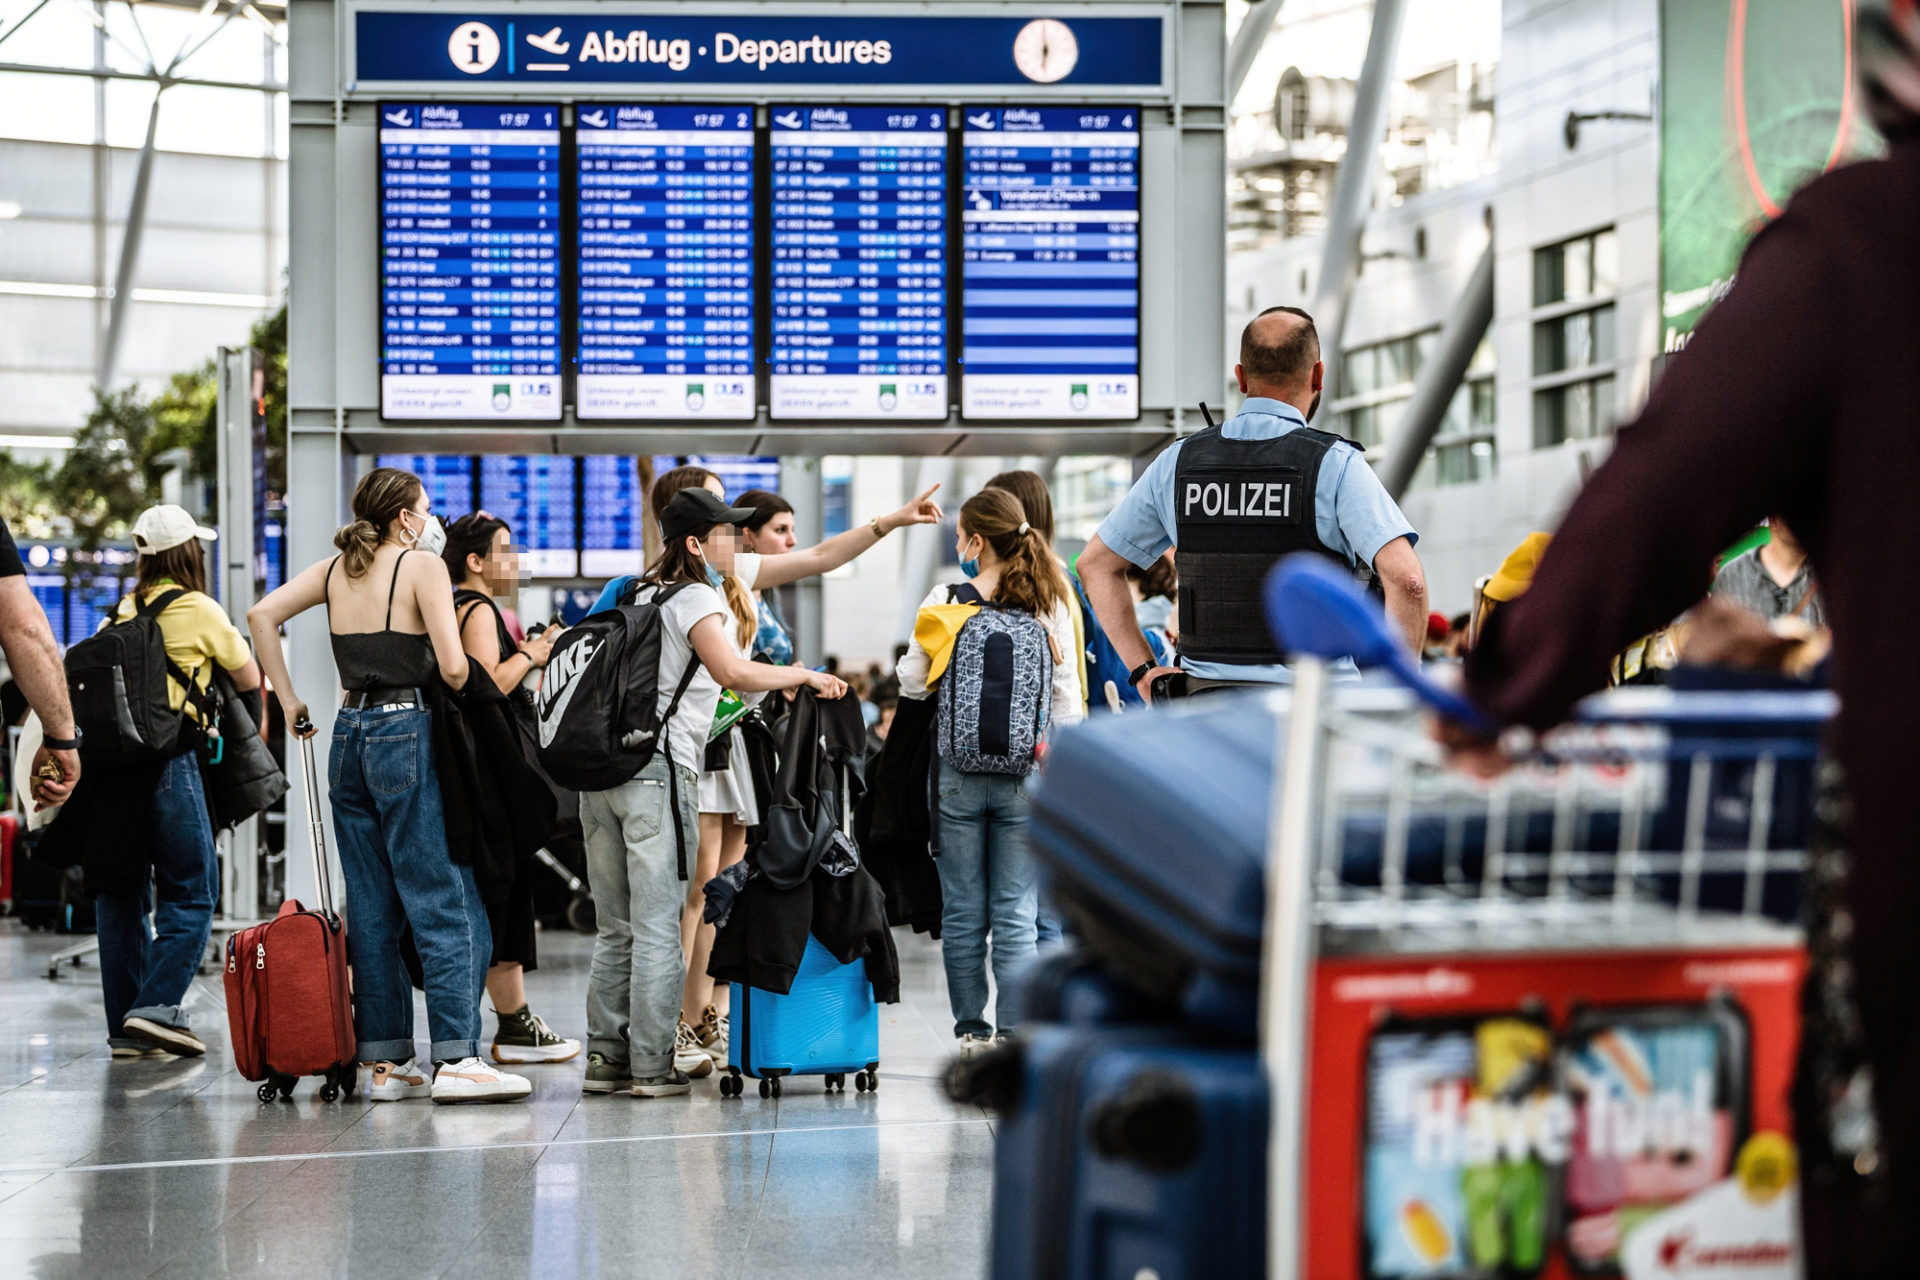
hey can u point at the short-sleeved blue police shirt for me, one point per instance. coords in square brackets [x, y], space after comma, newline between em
[1353, 514]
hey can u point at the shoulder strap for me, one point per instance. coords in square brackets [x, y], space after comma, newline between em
[151, 608]
[965, 593]
[392, 587]
[326, 588]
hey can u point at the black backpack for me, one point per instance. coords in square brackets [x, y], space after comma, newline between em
[117, 680]
[598, 706]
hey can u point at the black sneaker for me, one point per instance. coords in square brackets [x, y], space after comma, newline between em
[666, 1086]
[524, 1038]
[606, 1076]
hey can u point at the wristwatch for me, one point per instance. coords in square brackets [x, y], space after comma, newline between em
[52, 743]
[1139, 673]
[878, 532]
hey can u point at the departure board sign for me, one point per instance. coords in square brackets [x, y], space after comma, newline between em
[666, 262]
[859, 262]
[447, 478]
[613, 506]
[1051, 217]
[470, 246]
[534, 495]
[741, 473]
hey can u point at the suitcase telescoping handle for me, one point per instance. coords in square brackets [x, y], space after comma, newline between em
[322, 873]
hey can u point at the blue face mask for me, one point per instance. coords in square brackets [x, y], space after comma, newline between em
[970, 567]
[714, 579]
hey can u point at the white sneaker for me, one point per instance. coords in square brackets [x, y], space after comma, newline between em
[719, 1034]
[688, 1056]
[393, 1081]
[971, 1044]
[472, 1080]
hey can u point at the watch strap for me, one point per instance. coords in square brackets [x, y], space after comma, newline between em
[1139, 673]
[52, 743]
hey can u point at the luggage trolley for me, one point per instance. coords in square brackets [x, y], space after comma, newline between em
[1598, 949]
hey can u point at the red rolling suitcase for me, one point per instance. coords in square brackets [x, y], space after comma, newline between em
[289, 1005]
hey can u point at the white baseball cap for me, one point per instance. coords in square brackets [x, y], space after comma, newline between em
[165, 527]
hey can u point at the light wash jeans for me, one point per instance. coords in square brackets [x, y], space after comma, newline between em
[148, 974]
[987, 882]
[393, 854]
[633, 988]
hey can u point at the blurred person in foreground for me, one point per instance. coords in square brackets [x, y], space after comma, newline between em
[1797, 395]
[33, 656]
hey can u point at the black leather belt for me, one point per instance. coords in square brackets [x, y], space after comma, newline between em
[384, 697]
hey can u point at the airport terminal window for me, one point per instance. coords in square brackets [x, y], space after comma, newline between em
[1585, 267]
[1379, 382]
[1571, 339]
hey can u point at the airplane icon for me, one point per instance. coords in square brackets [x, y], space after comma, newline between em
[549, 43]
[598, 119]
[984, 121]
[402, 117]
[791, 120]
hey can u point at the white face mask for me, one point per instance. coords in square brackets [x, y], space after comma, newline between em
[432, 537]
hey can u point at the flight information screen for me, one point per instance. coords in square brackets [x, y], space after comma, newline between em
[470, 261]
[612, 535]
[447, 478]
[666, 262]
[534, 495]
[1051, 262]
[859, 262]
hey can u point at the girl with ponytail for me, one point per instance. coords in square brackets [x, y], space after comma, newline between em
[986, 871]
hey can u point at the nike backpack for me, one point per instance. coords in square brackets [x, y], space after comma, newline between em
[996, 691]
[598, 706]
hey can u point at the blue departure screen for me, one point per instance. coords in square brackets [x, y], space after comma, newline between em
[470, 246]
[739, 473]
[612, 535]
[859, 262]
[1052, 263]
[447, 478]
[666, 262]
[534, 495]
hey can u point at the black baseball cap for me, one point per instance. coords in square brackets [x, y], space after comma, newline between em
[695, 510]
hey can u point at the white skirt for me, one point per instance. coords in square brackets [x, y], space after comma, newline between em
[730, 790]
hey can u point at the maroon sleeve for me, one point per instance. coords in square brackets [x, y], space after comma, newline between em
[1728, 437]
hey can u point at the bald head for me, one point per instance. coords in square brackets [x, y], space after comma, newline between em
[1280, 355]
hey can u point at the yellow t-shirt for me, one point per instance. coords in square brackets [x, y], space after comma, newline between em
[194, 629]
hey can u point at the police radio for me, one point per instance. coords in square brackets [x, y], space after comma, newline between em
[1206, 415]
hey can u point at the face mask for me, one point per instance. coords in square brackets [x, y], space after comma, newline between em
[714, 577]
[971, 567]
[432, 537]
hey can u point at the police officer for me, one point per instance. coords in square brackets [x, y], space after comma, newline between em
[1235, 498]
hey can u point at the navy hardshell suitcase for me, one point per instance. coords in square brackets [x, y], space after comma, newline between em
[1125, 1151]
[1151, 832]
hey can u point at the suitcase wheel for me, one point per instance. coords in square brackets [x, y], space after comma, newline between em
[730, 1083]
[836, 1080]
[867, 1081]
[266, 1091]
[770, 1088]
[580, 914]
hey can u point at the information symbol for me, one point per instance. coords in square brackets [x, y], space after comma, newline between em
[473, 47]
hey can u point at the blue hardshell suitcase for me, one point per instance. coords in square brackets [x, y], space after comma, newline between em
[1124, 1151]
[827, 1025]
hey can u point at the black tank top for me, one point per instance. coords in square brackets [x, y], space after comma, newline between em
[465, 601]
[384, 659]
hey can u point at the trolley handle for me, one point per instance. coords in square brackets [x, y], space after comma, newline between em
[1317, 609]
[322, 872]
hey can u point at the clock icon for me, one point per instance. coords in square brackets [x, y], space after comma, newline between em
[1045, 50]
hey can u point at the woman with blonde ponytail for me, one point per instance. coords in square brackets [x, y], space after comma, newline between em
[986, 872]
[390, 615]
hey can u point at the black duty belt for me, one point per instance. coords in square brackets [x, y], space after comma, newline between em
[384, 697]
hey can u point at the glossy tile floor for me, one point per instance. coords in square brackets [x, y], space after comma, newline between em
[170, 1167]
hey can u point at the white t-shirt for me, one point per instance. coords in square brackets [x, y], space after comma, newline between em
[687, 733]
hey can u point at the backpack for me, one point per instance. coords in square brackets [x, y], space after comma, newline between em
[1104, 664]
[598, 707]
[117, 681]
[996, 691]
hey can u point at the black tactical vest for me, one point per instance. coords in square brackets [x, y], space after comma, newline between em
[1239, 505]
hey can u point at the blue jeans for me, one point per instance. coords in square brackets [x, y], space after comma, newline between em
[987, 882]
[393, 854]
[147, 974]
